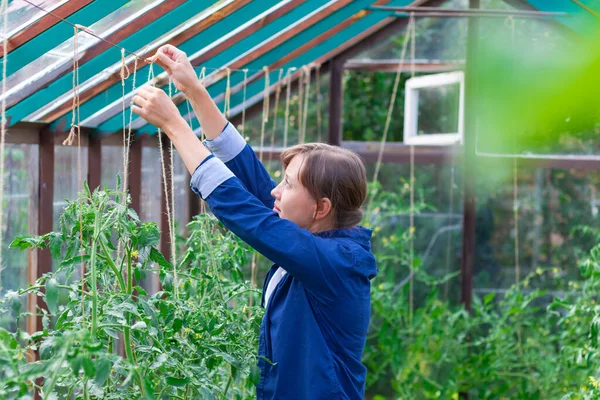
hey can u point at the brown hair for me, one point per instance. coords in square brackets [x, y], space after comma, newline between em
[335, 173]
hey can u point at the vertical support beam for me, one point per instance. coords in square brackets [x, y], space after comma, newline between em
[336, 93]
[469, 175]
[94, 177]
[135, 173]
[165, 238]
[193, 203]
[45, 209]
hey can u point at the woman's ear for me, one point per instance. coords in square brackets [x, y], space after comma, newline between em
[324, 209]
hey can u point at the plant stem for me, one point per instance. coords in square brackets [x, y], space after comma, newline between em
[228, 383]
[57, 372]
[93, 274]
[112, 265]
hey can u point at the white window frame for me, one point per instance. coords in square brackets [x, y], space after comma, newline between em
[411, 109]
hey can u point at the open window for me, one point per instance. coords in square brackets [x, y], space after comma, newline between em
[434, 109]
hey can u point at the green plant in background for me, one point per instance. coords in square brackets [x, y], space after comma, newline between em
[103, 336]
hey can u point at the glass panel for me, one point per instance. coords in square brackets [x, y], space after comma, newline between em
[22, 14]
[437, 222]
[47, 67]
[181, 187]
[440, 39]
[112, 164]
[438, 109]
[366, 104]
[151, 185]
[553, 206]
[20, 207]
[150, 201]
[66, 179]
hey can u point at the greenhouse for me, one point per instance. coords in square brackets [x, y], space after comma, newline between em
[300, 199]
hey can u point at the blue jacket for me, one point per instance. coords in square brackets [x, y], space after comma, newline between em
[314, 329]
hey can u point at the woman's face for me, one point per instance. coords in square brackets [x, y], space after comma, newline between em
[292, 200]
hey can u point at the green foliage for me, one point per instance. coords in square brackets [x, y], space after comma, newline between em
[195, 338]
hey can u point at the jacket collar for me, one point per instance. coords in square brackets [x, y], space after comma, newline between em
[359, 234]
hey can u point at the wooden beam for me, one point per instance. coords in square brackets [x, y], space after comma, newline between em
[469, 162]
[45, 209]
[94, 177]
[135, 173]
[200, 57]
[102, 82]
[421, 66]
[41, 25]
[19, 87]
[336, 98]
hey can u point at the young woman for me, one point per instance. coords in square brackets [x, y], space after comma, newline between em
[317, 294]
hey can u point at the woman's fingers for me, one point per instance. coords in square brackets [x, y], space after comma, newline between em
[139, 100]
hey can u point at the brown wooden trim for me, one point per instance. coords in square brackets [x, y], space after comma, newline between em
[469, 163]
[175, 41]
[43, 24]
[135, 173]
[269, 45]
[94, 162]
[420, 66]
[45, 208]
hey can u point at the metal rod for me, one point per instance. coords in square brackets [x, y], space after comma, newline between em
[471, 11]
[468, 15]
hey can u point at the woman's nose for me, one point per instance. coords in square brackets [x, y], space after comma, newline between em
[275, 192]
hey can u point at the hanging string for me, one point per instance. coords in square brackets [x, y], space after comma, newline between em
[245, 83]
[166, 194]
[306, 100]
[275, 111]
[318, 89]
[390, 109]
[300, 104]
[288, 95]
[172, 209]
[227, 102]
[4, 9]
[75, 129]
[412, 188]
[265, 115]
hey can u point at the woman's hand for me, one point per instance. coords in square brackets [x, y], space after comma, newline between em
[156, 107]
[177, 65]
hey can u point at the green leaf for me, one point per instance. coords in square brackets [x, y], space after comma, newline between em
[76, 365]
[177, 324]
[88, 367]
[52, 295]
[177, 382]
[24, 242]
[74, 260]
[103, 367]
[489, 297]
[158, 258]
[148, 389]
[254, 375]
[7, 339]
[141, 325]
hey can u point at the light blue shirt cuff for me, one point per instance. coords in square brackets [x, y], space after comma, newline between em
[227, 145]
[208, 176]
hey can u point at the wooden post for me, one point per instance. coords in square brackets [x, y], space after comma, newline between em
[135, 172]
[469, 162]
[336, 92]
[94, 177]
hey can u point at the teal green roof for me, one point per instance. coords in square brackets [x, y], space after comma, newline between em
[40, 77]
